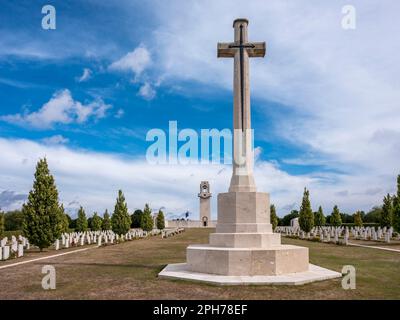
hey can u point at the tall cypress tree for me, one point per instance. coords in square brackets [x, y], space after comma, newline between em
[319, 218]
[396, 207]
[336, 219]
[81, 222]
[106, 225]
[96, 222]
[121, 220]
[358, 219]
[274, 218]
[43, 215]
[387, 211]
[160, 220]
[146, 223]
[306, 216]
[65, 220]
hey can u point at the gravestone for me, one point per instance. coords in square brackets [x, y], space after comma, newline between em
[6, 252]
[20, 251]
[14, 245]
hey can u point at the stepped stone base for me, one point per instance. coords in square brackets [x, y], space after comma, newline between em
[314, 273]
[244, 249]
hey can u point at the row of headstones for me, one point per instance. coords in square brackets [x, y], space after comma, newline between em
[100, 237]
[329, 233]
[171, 232]
[13, 247]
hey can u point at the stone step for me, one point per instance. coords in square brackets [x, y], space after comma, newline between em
[244, 240]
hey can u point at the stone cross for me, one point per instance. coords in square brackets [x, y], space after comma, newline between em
[241, 50]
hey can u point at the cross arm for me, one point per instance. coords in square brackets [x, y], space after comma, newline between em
[258, 50]
[254, 49]
[224, 50]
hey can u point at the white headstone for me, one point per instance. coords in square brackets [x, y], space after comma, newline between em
[20, 250]
[6, 252]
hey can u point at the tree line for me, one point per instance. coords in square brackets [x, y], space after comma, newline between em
[387, 215]
[43, 219]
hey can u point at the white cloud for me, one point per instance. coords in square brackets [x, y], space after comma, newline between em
[92, 180]
[60, 109]
[57, 139]
[86, 75]
[146, 91]
[120, 113]
[10, 200]
[136, 61]
[340, 88]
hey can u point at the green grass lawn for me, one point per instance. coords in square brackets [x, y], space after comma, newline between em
[129, 271]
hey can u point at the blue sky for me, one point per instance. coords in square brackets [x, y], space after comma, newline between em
[324, 100]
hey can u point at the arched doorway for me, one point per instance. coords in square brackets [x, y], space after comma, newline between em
[205, 221]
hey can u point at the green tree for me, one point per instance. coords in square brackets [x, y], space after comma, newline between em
[2, 229]
[120, 220]
[358, 219]
[274, 218]
[374, 215]
[160, 220]
[286, 219]
[81, 222]
[336, 219]
[146, 222]
[65, 221]
[346, 218]
[43, 215]
[96, 222]
[136, 218]
[13, 220]
[89, 222]
[396, 207]
[319, 218]
[72, 225]
[106, 221]
[69, 220]
[306, 216]
[387, 211]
